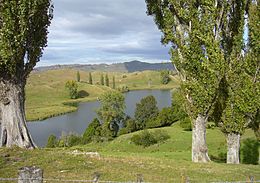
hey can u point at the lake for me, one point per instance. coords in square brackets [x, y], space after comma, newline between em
[77, 122]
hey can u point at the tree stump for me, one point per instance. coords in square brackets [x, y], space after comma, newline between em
[30, 175]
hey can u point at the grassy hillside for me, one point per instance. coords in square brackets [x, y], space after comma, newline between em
[46, 95]
[121, 160]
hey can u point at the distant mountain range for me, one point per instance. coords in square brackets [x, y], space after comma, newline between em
[132, 66]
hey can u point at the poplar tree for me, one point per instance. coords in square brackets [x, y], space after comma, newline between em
[242, 76]
[90, 81]
[102, 79]
[107, 80]
[78, 76]
[23, 36]
[114, 82]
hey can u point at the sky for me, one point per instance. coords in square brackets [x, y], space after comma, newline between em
[102, 31]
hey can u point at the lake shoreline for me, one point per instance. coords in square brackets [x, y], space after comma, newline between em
[84, 100]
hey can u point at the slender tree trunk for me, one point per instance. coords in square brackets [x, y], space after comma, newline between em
[233, 143]
[14, 131]
[199, 146]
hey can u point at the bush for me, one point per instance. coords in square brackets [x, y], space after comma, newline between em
[52, 141]
[166, 117]
[123, 88]
[146, 138]
[131, 126]
[91, 131]
[72, 86]
[211, 125]
[73, 140]
[165, 78]
[186, 124]
[122, 131]
[161, 135]
[250, 151]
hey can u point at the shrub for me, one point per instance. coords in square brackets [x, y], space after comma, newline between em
[122, 131]
[131, 126]
[52, 141]
[91, 131]
[123, 88]
[124, 76]
[250, 151]
[73, 140]
[161, 135]
[72, 86]
[211, 125]
[186, 124]
[146, 138]
[166, 117]
[165, 78]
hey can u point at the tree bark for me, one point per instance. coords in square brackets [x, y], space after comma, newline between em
[199, 146]
[233, 143]
[14, 130]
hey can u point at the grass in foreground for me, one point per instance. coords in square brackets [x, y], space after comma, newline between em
[46, 95]
[121, 160]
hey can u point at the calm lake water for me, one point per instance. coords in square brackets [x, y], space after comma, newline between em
[77, 122]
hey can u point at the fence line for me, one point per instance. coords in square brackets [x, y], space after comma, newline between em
[35, 175]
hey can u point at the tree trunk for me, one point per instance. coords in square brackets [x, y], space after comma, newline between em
[199, 146]
[14, 131]
[233, 143]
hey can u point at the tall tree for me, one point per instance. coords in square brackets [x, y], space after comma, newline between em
[78, 76]
[146, 110]
[114, 82]
[23, 36]
[102, 79]
[242, 76]
[111, 112]
[90, 81]
[193, 28]
[107, 80]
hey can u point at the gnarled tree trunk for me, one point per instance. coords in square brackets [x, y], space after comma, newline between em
[233, 143]
[14, 131]
[199, 146]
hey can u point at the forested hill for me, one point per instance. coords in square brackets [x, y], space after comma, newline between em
[132, 66]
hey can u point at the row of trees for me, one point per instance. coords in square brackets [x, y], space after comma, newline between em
[103, 80]
[219, 69]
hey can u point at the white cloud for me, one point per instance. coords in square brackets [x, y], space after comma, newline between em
[88, 31]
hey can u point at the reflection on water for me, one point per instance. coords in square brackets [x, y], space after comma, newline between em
[77, 122]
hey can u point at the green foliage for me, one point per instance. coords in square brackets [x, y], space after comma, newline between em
[146, 138]
[131, 125]
[102, 82]
[78, 76]
[52, 141]
[23, 36]
[111, 112]
[90, 81]
[72, 87]
[167, 117]
[123, 88]
[146, 110]
[250, 151]
[107, 80]
[165, 78]
[122, 131]
[114, 83]
[211, 125]
[92, 132]
[186, 124]
[74, 140]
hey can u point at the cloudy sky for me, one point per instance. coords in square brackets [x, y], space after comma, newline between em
[102, 31]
